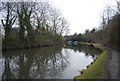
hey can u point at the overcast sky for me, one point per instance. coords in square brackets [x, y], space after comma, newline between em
[82, 14]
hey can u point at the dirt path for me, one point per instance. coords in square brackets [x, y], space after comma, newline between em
[112, 65]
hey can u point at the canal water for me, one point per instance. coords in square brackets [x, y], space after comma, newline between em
[46, 62]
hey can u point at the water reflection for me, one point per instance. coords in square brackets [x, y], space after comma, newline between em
[89, 51]
[46, 63]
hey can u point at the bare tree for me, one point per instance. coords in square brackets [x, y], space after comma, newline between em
[63, 28]
[42, 16]
[50, 19]
[118, 6]
[9, 19]
[35, 21]
[24, 11]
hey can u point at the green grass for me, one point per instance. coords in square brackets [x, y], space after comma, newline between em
[85, 43]
[97, 70]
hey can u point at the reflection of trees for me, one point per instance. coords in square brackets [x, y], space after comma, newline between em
[7, 71]
[25, 62]
[89, 51]
[48, 65]
[42, 63]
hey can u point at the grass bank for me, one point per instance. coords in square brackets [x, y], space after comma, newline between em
[98, 68]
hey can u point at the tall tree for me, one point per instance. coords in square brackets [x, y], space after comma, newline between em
[21, 22]
[24, 11]
[9, 18]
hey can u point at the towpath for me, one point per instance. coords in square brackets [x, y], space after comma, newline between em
[113, 62]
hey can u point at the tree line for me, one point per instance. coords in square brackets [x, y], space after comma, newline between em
[108, 31]
[31, 23]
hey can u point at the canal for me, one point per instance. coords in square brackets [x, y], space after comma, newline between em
[52, 62]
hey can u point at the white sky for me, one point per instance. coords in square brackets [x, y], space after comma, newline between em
[82, 14]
